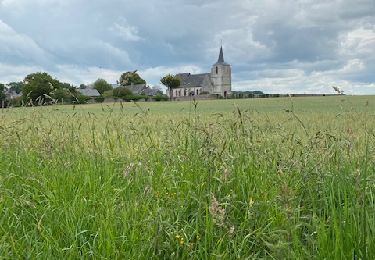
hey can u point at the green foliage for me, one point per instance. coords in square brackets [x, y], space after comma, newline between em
[188, 180]
[2, 94]
[41, 87]
[16, 87]
[134, 97]
[16, 102]
[131, 77]
[171, 82]
[62, 94]
[108, 94]
[161, 97]
[37, 86]
[101, 86]
[122, 92]
[81, 99]
[99, 99]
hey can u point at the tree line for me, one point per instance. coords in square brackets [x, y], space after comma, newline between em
[41, 88]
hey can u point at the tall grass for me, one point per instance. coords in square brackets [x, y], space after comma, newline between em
[244, 181]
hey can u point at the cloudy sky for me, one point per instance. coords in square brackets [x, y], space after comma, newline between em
[277, 46]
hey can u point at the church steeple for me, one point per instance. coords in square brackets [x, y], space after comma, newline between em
[221, 56]
[221, 76]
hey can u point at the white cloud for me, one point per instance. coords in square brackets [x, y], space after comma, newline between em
[296, 81]
[359, 41]
[10, 73]
[15, 47]
[126, 31]
[114, 53]
[163, 70]
[77, 75]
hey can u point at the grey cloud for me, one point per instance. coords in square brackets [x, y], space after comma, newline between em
[17, 48]
[263, 40]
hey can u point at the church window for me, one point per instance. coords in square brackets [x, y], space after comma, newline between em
[217, 70]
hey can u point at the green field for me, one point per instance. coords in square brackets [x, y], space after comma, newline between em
[228, 179]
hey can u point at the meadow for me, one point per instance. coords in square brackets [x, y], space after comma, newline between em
[225, 179]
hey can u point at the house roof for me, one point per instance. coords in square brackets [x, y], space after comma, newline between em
[136, 89]
[192, 80]
[12, 94]
[90, 92]
[151, 91]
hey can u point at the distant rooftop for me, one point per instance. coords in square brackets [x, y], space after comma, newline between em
[192, 80]
[90, 92]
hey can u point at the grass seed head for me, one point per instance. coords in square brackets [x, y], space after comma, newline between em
[217, 212]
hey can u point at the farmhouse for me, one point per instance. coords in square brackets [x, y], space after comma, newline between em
[218, 82]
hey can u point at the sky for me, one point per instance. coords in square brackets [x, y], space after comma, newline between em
[284, 46]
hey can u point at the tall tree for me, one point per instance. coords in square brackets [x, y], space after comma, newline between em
[38, 85]
[101, 86]
[171, 82]
[131, 77]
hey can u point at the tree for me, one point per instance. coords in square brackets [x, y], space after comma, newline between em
[338, 90]
[38, 86]
[131, 77]
[62, 95]
[2, 94]
[16, 87]
[101, 86]
[171, 82]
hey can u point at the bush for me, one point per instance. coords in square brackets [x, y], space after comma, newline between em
[82, 99]
[161, 98]
[133, 97]
[108, 94]
[122, 92]
[99, 99]
[62, 94]
[15, 102]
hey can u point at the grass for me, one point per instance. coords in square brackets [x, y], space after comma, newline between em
[255, 178]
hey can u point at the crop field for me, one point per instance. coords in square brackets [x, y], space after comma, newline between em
[223, 179]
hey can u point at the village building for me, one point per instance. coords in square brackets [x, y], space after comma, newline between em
[218, 82]
[141, 89]
[11, 94]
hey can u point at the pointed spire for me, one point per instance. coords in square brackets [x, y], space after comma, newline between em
[221, 56]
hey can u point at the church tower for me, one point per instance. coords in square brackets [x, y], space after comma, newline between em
[221, 76]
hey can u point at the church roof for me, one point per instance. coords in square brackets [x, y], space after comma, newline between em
[192, 80]
[221, 61]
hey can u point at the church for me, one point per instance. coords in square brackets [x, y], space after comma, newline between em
[218, 82]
